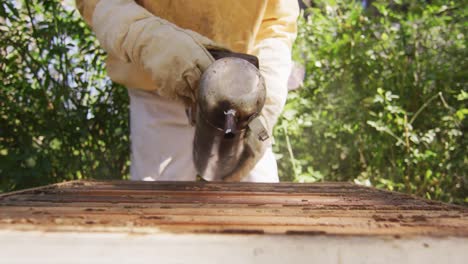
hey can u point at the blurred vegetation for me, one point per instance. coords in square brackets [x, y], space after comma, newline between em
[61, 118]
[383, 103]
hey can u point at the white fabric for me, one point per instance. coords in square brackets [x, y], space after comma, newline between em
[162, 142]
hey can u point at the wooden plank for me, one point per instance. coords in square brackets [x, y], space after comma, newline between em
[199, 207]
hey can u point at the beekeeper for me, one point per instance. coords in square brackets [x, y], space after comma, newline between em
[158, 50]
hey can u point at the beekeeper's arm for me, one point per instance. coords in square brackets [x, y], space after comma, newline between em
[273, 49]
[174, 58]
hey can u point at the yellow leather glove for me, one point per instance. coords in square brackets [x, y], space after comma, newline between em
[174, 58]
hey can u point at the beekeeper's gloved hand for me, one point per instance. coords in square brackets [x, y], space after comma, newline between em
[174, 58]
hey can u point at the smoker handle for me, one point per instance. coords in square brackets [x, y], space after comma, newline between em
[219, 54]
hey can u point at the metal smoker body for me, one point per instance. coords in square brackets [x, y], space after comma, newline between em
[231, 94]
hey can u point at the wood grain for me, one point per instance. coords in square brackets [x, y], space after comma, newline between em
[244, 208]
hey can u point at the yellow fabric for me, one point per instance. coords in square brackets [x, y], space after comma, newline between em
[239, 25]
[236, 24]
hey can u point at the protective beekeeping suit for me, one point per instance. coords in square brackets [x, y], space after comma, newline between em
[158, 49]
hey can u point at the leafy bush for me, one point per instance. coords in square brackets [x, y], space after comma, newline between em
[384, 101]
[60, 116]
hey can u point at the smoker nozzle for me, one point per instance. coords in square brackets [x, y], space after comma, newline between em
[230, 127]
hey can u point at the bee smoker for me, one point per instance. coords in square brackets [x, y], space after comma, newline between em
[231, 94]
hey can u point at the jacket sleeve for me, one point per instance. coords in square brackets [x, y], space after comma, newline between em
[273, 48]
[132, 36]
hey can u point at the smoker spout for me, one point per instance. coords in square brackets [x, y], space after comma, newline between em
[230, 127]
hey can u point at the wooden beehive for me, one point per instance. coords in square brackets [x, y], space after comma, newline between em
[283, 211]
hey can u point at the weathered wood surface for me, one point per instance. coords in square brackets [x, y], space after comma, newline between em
[245, 208]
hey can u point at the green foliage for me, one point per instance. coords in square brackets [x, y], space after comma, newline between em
[384, 101]
[60, 116]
